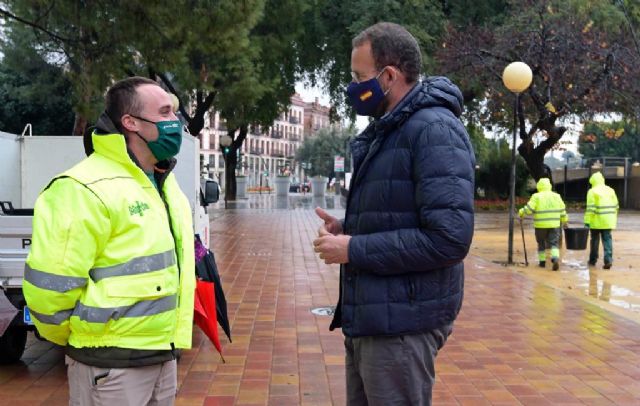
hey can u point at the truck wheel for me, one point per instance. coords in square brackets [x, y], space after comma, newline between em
[12, 345]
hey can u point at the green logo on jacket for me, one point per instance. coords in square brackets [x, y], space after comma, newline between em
[138, 208]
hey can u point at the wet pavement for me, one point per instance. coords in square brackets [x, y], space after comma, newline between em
[617, 289]
[525, 335]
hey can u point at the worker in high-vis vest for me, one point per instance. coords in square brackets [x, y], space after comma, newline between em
[549, 213]
[110, 275]
[601, 216]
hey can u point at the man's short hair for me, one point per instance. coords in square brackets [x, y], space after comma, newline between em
[122, 98]
[393, 45]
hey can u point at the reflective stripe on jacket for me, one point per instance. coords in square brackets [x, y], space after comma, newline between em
[547, 207]
[602, 205]
[110, 264]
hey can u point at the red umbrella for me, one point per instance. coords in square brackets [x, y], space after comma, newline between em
[204, 306]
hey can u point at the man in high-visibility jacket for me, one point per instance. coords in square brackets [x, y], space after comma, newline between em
[548, 211]
[601, 216]
[110, 275]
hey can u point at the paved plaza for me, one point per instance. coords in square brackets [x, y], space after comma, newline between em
[525, 336]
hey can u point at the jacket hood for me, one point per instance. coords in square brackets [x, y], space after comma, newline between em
[544, 185]
[596, 179]
[437, 91]
[103, 126]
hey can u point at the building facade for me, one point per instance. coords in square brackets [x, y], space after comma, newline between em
[266, 152]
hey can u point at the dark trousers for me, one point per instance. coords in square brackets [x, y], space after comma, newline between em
[393, 370]
[607, 245]
[548, 238]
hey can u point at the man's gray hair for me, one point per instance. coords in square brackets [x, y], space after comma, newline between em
[393, 45]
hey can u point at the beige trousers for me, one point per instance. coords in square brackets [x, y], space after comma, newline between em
[153, 385]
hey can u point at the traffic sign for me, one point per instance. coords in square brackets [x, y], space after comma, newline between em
[338, 163]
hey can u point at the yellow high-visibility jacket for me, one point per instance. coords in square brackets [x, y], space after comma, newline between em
[547, 207]
[602, 205]
[110, 264]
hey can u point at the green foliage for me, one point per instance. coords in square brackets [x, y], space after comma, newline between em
[462, 13]
[88, 39]
[494, 172]
[331, 25]
[268, 70]
[482, 146]
[615, 139]
[32, 90]
[320, 150]
[198, 44]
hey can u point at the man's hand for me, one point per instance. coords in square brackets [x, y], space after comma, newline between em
[331, 224]
[333, 249]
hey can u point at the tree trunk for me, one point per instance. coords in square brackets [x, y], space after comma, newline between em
[203, 104]
[230, 163]
[532, 155]
[79, 124]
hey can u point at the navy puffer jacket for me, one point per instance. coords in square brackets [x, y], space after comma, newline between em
[410, 215]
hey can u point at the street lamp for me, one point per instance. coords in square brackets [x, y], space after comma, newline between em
[225, 143]
[517, 77]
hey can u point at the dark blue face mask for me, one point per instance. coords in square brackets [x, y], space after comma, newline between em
[365, 97]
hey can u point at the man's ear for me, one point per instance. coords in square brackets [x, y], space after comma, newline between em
[129, 123]
[395, 74]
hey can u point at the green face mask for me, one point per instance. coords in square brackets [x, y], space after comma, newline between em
[169, 138]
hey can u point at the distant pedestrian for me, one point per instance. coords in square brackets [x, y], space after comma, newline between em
[601, 216]
[408, 224]
[549, 213]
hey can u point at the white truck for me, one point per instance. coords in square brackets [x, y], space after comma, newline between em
[27, 164]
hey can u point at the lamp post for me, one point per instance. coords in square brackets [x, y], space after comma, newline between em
[225, 143]
[517, 77]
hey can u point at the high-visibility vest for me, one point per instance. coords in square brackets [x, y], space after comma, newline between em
[602, 205]
[111, 264]
[547, 207]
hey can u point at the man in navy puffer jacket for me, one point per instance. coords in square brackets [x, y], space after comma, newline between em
[408, 224]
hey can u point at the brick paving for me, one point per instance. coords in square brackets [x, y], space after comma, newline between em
[516, 342]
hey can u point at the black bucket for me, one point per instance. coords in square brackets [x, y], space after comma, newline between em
[576, 238]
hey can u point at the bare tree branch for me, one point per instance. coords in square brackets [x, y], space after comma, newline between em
[36, 26]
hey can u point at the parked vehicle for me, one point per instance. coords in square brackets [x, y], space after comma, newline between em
[300, 187]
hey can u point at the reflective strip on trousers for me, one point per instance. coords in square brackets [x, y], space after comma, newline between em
[136, 266]
[49, 281]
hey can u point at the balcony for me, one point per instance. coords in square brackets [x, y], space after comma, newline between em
[295, 138]
[294, 120]
[256, 151]
[276, 134]
[277, 154]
